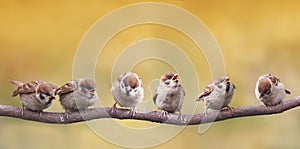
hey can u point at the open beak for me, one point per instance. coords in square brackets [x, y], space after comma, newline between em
[227, 80]
[51, 97]
[175, 78]
[92, 93]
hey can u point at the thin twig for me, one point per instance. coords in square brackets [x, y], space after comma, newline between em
[152, 116]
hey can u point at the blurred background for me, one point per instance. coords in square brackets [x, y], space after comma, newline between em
[39, 39]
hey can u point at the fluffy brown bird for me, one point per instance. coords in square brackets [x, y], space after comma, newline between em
[270, 90]
[34, 95]
[78, 94]
[218, 94]
[169, 95]
[127, 91]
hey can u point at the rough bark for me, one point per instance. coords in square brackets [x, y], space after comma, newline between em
[152, 116]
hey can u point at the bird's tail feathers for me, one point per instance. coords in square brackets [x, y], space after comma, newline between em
[17, 83]
[200, 98]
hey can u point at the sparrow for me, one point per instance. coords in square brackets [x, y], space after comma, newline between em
[127, 91]
[218, 94]
[269, 90]
[77, 94]
[34, 95]
[169, 95]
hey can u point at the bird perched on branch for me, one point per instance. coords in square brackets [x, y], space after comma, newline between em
[218, 94]
[169, 95]
[270, 90]
[78, 94]
[127, 91]
[34, 95]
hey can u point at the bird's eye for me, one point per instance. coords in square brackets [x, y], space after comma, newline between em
[167, 83]
[42, 97]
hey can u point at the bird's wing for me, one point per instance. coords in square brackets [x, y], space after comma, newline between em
[275, 80]
[206, 92]
[15, 82]
[66, 88]
[181, 88]
[26, 88]
[154, 98]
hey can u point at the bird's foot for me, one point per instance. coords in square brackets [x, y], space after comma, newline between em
[40, 114]
[164, 114]
[22, 109]
[180, 117]
[133, 112]
[230, 109]
[113, 110]
[67, 115]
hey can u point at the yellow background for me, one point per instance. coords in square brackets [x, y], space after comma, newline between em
[39, 39]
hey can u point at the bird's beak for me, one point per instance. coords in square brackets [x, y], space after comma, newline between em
[51, 97]
[175, 78]
[92, 93]
[227, 80]
[127, 89]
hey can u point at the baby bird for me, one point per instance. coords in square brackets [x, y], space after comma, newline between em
[34, 95]
[127, 91]
[218, 94]
[78, 94]
[169, 95]
[269, 90]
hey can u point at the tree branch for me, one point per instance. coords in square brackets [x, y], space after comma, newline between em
[152, 116]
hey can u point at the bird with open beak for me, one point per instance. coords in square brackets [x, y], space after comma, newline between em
[169, 95]
[218, 94]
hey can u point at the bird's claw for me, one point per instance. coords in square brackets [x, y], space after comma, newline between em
[165, 114]
[230, 109]
[113, 110]
[40, 114]
[180, 117]
[67, 115]
[22, 110]
[133, 112]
